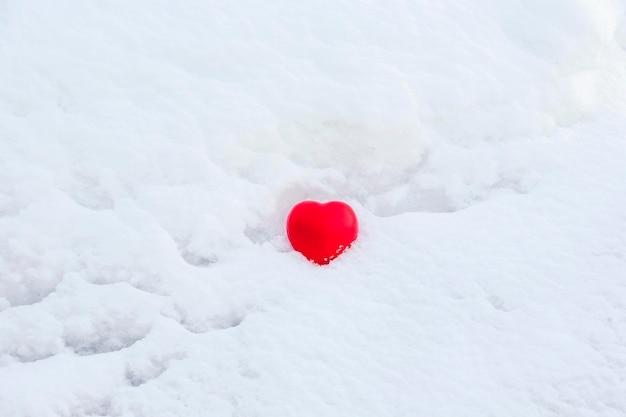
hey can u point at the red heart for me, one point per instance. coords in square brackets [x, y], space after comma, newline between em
[321, 232]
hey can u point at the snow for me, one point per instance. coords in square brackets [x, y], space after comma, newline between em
[150, 153]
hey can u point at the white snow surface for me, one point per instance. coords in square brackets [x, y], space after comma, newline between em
[150, 152]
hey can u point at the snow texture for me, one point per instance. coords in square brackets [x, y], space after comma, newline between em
[151, 150]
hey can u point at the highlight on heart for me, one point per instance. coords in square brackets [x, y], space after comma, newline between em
[322, 231]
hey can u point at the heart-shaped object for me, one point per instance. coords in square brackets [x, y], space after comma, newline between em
[321, 231]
